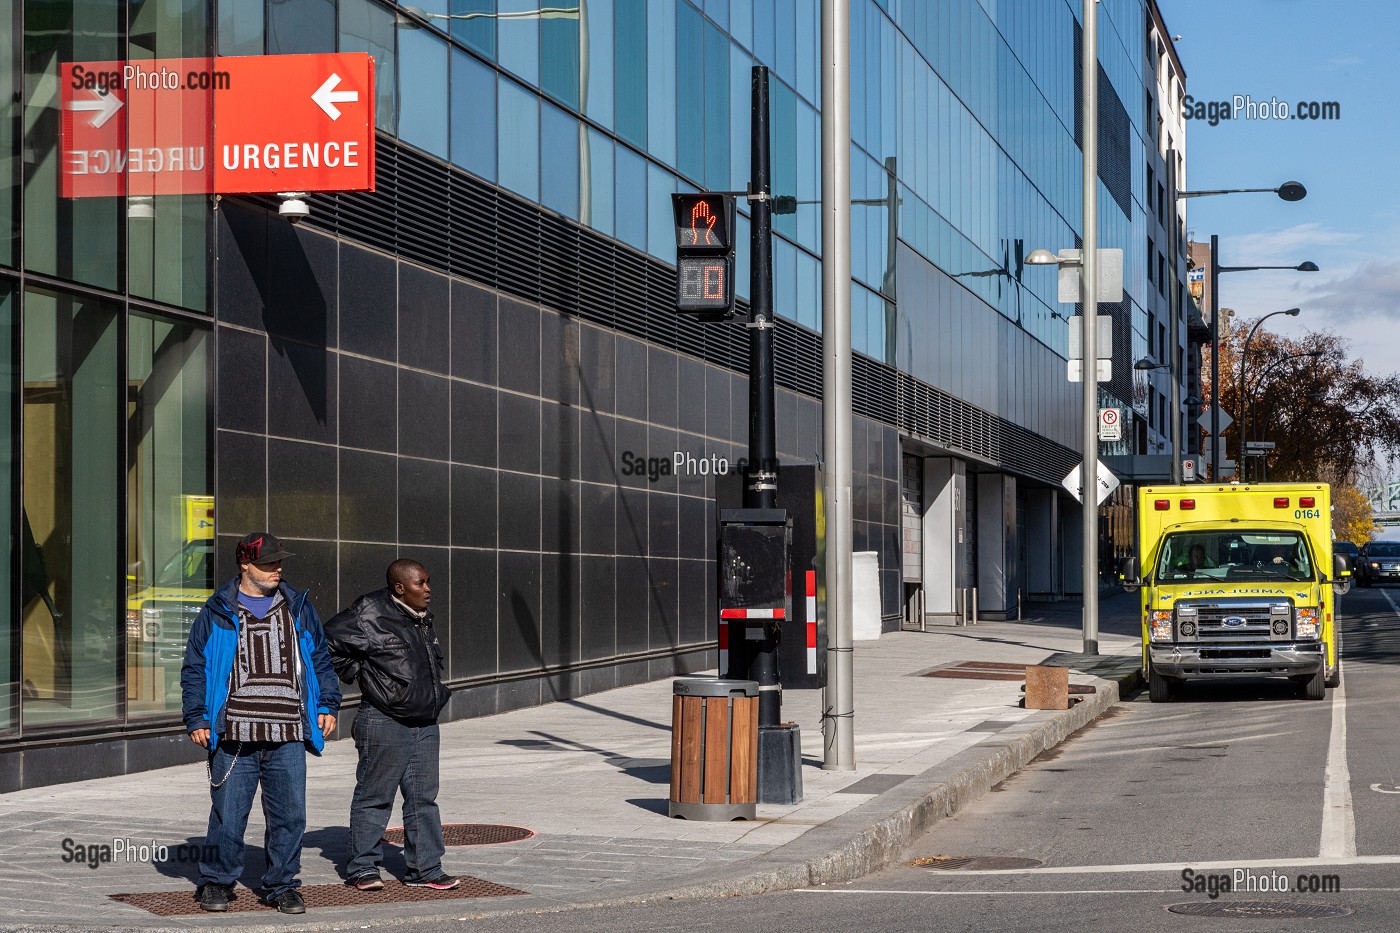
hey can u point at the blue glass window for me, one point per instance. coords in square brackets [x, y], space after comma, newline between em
[518, 163]
[764, 42]
[596, 206]
[423, 75]
[784, 279]
[518, 35]
[559, 181]
[661, 230]
[690, 93]
[740, 116]
[241, 28]
[785, 28]
[368, 27]
[717, 145]
[304, 26]
[631, 199]
[631, 71]
[474, 24]
[783, 150]
[596, 70]
[559, 57]
[718, 10]
[661, 76]
[741, 22]
[473, 115]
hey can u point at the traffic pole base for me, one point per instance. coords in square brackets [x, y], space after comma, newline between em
[780, 764]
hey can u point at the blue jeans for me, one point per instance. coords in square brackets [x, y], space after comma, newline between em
[395, 757]
[281, 769]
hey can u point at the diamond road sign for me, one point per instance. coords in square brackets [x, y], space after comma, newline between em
[1107, 482]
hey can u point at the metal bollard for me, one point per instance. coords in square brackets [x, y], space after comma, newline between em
[1018, 604]
[962, 609]
[974, 604]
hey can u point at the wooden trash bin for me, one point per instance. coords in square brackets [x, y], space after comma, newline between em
[714, 749]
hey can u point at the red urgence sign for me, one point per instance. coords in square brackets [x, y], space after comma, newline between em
[245, 125]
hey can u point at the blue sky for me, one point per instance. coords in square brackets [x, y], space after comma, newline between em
[1349, 224]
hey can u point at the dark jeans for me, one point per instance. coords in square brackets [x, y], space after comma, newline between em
[281, 769]
[395, 757]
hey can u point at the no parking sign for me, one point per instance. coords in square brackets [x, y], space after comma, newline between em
[1110, 424]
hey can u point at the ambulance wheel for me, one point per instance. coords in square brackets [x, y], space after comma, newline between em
[1315, 687]
[1159, 688]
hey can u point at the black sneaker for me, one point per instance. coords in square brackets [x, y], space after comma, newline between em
[366, 881]
[288, 902]
[213, 897]
[442, 882]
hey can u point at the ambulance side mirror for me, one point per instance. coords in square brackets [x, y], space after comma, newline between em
[1340, 568]
[1128, 573]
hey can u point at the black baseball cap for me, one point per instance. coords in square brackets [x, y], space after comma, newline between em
[260, 547]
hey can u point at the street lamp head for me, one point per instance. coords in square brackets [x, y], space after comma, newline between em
[1307, 266]
[1315, 354]
[1292, 191]
[1191, 401]
[1041, 257]
[1146, 364]
[1293, 312]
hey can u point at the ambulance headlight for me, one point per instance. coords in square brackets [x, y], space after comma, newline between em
[1307, 625]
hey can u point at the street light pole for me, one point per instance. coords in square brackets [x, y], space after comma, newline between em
[838, 724]
[1244, 359]
[1088, 271]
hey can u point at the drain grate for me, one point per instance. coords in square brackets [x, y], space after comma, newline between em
[1261, 910]
[974, 862]
[469, 834]
[182, 903]
[981, 670]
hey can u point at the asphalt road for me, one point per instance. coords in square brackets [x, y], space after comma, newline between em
[1244, 782]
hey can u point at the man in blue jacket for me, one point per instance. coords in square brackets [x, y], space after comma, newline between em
[258, 688]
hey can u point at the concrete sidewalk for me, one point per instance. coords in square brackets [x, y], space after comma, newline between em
[591, 778]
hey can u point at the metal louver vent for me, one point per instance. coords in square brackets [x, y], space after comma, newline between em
[446, 219]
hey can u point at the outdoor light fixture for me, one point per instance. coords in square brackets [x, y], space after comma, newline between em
[293, 208]
[1144, 364]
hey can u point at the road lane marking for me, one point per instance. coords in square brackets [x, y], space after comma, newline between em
[886, 891]
[986, 893]
[1197, 864]
[1389, 599]
[1385, 788]
[1338, 818]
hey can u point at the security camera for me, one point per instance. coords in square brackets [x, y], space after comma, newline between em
[293, 209]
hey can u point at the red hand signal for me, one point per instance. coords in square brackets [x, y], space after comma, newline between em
[701, 212]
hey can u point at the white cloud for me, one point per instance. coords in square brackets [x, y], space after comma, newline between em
[1279, 247]
[1369, 290]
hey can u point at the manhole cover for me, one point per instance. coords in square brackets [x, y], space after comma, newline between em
[180, 903]
[1263, 910]
[974, 862]
[469, 834]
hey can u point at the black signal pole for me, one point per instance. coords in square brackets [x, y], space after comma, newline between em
[761, 484]
[761, 479]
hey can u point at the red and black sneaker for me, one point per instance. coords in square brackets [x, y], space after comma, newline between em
[442, 882]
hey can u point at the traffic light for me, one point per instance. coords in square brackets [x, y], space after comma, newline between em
[705, 255]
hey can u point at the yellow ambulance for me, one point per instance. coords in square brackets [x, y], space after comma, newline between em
[1237, 581]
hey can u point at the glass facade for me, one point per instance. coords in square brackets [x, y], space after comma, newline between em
[964, 154]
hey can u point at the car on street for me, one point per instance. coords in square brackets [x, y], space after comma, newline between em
[1379, 563]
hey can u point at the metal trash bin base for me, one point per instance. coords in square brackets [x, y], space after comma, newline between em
[714, 749]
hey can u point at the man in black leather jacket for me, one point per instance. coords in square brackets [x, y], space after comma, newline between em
[386, 642]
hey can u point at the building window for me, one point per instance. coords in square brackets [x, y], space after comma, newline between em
[9, 642]
[70, 620]
[170, 506]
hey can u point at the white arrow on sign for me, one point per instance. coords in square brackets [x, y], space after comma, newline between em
[103, 107]
[326, 97]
